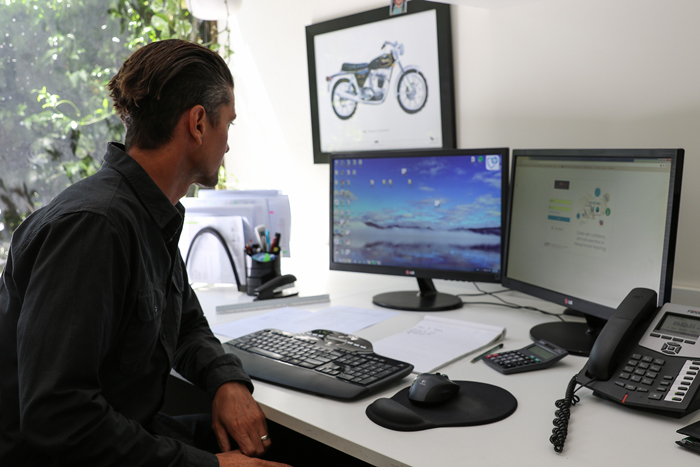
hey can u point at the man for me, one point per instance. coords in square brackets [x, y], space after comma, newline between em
[95, 307]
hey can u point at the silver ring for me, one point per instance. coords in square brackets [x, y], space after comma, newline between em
[263, 438]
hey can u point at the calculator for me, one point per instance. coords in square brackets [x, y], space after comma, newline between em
[537, 356]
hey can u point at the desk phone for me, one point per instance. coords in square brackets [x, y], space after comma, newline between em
[648, 358]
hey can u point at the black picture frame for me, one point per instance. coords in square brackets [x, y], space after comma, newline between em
[424, 33]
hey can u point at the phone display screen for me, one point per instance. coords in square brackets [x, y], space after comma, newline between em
[680, 325]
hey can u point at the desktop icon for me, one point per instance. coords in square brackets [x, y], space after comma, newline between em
[493, 163]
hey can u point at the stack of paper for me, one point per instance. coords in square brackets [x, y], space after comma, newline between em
[437, 341]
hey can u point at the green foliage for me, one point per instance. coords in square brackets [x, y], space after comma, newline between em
[56, 57]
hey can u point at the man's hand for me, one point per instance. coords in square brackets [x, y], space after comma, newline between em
[235, 413]
[237, 459]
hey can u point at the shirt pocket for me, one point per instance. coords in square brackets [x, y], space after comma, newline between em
[143, 330]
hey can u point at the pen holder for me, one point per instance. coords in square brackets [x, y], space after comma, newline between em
[262, 268]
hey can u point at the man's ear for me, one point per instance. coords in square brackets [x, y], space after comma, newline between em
[197, 122]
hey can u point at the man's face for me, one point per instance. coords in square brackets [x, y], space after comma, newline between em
[215, 146]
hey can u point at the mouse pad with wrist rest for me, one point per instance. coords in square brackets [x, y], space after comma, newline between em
[474, 404]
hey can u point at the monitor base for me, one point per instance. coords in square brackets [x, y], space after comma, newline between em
[575, 338]
[428, 299]
[413, 301]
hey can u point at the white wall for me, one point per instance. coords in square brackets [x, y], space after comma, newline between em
[543, 73]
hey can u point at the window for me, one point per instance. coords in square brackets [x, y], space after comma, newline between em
[56, 56]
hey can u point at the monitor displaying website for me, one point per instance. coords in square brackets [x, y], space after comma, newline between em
[589, 227]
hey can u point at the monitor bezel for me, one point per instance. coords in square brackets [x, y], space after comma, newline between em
[580, 304]
[423, 273]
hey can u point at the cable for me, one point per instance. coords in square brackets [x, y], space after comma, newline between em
[563, 414]
[483, 292]
[222, 240]
[506, 303]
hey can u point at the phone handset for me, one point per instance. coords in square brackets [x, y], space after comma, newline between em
[636, 307]
[639, 304]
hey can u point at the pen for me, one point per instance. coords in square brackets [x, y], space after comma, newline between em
[275, 241]
[488, 352]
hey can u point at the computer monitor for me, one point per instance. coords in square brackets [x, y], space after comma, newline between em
[585, 227]
[426, 214]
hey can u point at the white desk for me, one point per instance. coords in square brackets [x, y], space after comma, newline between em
[600, 432]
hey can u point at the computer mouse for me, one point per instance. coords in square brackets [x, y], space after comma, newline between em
[432, 389]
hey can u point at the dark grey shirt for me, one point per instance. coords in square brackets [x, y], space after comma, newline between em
[95, 310]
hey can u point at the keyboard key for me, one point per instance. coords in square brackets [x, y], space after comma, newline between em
[265, 353]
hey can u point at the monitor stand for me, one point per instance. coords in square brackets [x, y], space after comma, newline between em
[576, 338]
[428, 299]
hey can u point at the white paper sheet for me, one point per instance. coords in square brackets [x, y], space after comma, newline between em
[437, 341]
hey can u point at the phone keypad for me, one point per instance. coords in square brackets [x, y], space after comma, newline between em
[641, 374]
[644, 374]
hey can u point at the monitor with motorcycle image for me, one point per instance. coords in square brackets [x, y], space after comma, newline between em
[380, 82]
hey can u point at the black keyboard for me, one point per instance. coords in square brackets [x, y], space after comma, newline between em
[321, 362]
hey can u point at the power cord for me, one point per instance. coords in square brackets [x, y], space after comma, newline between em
[505, 303]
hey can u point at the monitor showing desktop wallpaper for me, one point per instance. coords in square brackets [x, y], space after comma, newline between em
[435, 214]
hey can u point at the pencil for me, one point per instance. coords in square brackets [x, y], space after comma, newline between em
[488, 352]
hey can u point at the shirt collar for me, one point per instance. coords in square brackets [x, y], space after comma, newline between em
[167, 216]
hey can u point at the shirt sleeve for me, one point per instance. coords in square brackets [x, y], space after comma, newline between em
[73, 294]
[200, 356]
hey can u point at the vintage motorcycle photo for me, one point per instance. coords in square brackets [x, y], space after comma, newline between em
[369, 83]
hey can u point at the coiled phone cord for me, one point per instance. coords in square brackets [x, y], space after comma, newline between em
[563, 413]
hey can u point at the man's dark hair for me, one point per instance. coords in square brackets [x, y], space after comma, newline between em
[160, 81]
